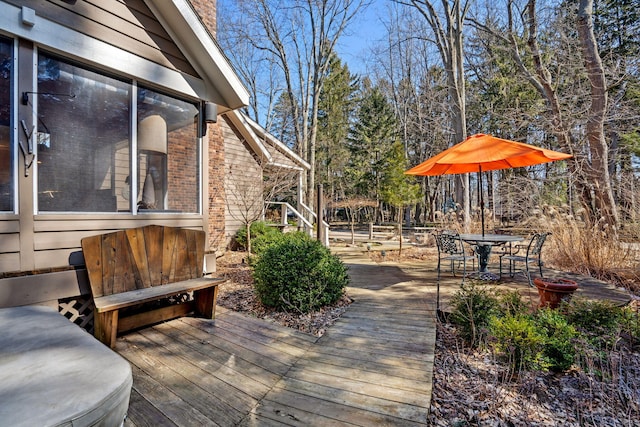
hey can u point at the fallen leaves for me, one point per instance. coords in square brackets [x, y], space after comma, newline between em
[238, 294]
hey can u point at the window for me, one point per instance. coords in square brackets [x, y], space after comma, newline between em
[83, 139]
[168, 157]
[6, 153]
[84, 144]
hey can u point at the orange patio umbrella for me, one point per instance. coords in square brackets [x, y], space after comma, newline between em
[482, 152]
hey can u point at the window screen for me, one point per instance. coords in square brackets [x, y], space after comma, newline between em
[6, 152]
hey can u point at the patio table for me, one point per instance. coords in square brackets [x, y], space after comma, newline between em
[483, 244]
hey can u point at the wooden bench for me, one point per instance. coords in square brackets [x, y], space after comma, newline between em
[129, 268]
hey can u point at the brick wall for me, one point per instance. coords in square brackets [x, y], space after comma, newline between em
[207, 11]
[214, 141]
[217, 198]
[183, 171]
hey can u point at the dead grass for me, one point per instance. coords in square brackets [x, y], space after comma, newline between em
[593, 250]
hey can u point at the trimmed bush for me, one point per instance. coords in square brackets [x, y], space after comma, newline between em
[472, 308]
[298, 273]
[262, 235]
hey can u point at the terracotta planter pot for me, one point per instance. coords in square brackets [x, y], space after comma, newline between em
[553, 291]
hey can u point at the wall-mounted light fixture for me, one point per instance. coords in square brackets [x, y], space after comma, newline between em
[209, 114]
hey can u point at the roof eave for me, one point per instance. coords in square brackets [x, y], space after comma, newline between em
[239, 120]
[223, 86]
[261, 132]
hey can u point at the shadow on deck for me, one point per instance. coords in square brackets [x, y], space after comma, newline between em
[372, 367]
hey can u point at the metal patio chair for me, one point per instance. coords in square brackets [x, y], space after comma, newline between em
[450, 248]
[532, 254]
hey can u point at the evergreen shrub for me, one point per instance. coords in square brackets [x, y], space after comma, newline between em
[519, 341]
[511, 302]
[262, 235]
[472, 309]
[559, 338]
[299, 273]
[600, 321]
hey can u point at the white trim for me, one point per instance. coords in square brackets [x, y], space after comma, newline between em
[70, 43]
[240, 122]
[14, 135]
[283, 166]
[277, 143]
[186, 29]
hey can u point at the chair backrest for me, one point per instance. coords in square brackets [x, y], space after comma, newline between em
[535, 245]
[449, 242]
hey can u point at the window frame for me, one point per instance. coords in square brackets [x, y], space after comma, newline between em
[133, 86]
[14, 155]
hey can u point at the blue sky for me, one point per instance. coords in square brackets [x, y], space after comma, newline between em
[363, 33]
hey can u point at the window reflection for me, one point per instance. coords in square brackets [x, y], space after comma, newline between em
[83, 141]
[84, 144]
[6, 154]
[168, 155]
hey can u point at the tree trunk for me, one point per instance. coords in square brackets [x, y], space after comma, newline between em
[448, 39]
[598, 171]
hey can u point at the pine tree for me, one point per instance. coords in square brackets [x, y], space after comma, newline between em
[370, 139]
[336, 110]
[398, 189]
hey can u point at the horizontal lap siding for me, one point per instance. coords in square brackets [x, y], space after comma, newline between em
[57, 241]
[127, 24]
[243, 182]
[9, 245]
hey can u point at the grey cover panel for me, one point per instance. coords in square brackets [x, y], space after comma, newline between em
[53, 373]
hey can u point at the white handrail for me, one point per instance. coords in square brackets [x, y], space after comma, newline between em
[292, 209]
[308, 225]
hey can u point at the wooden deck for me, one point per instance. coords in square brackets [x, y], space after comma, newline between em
[372, 367]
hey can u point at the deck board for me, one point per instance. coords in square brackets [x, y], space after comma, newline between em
[372, 367]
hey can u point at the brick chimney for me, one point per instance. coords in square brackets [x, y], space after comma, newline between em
[207, 9]
[215, 208]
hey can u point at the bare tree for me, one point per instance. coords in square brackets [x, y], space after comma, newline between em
[246, 195]
[299, 36]
[352, 207]
[598, 170]
[411, 75]
[548, 75]
[447, 23]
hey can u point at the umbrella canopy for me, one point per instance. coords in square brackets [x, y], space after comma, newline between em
[485, 153]
[482, 152]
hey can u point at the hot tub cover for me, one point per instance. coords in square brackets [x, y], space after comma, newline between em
[53, 373]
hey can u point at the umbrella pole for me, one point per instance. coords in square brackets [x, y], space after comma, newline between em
[481, 199]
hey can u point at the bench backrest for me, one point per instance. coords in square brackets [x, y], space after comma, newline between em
[142, 257]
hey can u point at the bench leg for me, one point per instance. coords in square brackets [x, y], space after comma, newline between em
[205, 300]
[105, 327]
